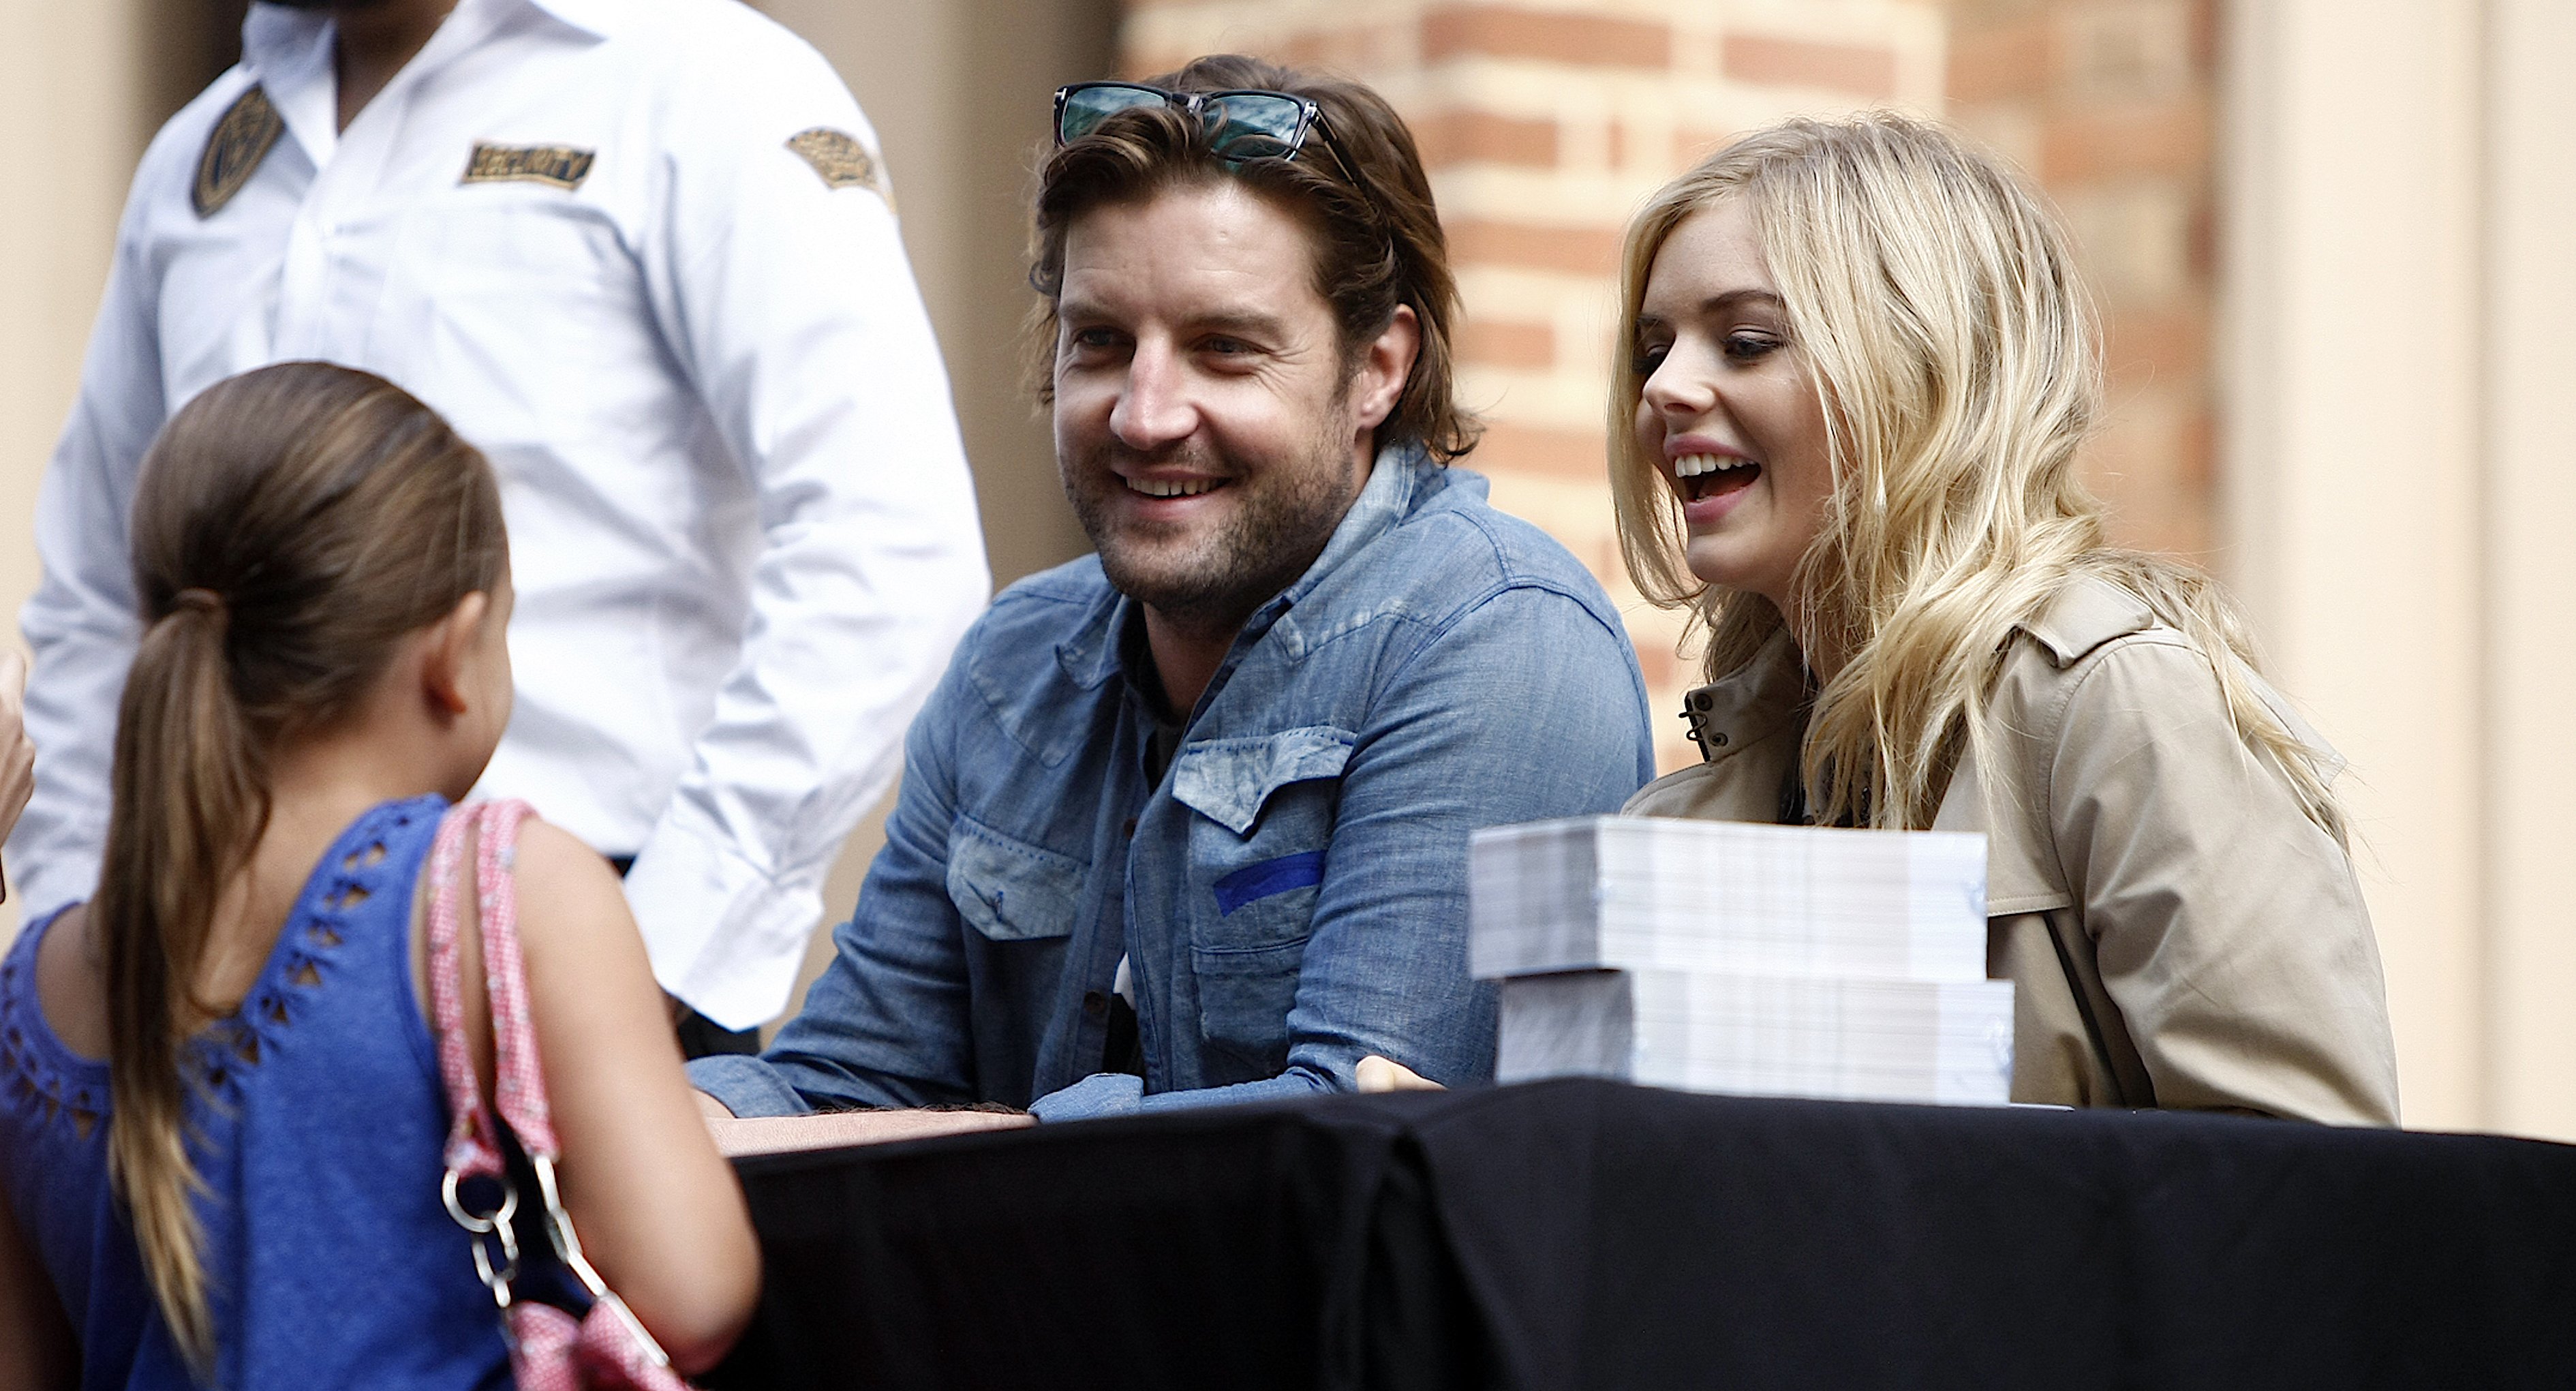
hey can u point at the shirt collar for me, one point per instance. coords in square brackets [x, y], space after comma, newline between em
[288, 53]
[282, 44]
[1398, 475]
[598, 18]
[277, 38]
[1094, 653]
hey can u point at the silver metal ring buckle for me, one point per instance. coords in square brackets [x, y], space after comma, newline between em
[496, 1224]
[478, 1224]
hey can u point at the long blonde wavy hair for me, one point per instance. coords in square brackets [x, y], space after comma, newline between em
[1935, 303]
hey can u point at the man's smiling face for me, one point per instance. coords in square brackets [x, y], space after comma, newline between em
[1204, 413]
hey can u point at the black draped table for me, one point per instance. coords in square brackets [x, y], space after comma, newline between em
[1588, 1234]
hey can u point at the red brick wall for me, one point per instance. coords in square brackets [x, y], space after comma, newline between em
[2110, 105]
[1544, 124]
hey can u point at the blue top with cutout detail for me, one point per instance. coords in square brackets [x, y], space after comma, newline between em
[317, 1122]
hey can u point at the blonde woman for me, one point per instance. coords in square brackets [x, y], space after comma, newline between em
[1855, 368]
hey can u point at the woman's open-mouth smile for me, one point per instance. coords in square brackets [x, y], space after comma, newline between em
[1711, 484]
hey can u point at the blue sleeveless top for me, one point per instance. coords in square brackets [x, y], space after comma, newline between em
[317, 1126]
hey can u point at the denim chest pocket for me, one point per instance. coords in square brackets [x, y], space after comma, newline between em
[1266, 808]
[1009, 890]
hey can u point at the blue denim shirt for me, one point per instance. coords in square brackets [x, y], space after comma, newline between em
[1291, 894]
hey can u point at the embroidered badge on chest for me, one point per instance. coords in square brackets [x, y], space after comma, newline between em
[560, 165]
[240, 141]
[840, 159]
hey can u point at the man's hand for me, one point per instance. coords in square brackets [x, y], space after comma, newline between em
[1378, 1074]
[737, 1136]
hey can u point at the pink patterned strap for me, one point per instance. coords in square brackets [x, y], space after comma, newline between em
[545, 1345]
[473, 1149]
[519, 1081]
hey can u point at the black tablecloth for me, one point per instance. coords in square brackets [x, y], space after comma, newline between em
[1587, 1234]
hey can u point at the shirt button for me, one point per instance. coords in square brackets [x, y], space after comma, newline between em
[1095, 1004]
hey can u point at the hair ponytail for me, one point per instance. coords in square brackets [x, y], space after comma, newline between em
[277, 560]
[190, 803]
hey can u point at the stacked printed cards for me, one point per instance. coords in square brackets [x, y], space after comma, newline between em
[1732, 957]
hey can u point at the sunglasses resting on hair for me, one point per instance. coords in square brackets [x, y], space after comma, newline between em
[1242, 124]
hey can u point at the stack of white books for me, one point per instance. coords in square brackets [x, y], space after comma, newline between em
[1732, 957]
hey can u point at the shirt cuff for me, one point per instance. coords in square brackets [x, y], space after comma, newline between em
[1098, 1095]
[723, 936]
[747, 1086]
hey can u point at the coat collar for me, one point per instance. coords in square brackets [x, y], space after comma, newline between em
[1750, 703]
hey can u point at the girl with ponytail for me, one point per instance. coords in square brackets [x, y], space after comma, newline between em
[220, 1114]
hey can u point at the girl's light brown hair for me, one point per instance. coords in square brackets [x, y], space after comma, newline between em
[290, 527]
[1935, 302]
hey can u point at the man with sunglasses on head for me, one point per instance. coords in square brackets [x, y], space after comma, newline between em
[1187, 820]
[641, 253]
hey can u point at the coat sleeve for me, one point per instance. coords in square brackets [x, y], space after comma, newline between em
[2228, 928]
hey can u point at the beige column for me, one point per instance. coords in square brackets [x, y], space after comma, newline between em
[2529, 630]
[77, 94]
[2394, 223]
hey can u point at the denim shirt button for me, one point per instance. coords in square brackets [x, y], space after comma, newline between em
[1095, 1005]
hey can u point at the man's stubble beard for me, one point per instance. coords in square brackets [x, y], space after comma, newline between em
[1271, 538]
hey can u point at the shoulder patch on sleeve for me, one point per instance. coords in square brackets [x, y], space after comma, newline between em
[2085, 615]
[840, 159]
[233, 152]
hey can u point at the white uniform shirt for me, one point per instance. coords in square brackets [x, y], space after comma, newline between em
[742, 531]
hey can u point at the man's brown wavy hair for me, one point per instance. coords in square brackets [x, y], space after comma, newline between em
[1376, 235]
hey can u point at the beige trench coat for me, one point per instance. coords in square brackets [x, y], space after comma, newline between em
[2177, 933]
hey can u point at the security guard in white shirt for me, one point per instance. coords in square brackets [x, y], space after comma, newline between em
[641, 252]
